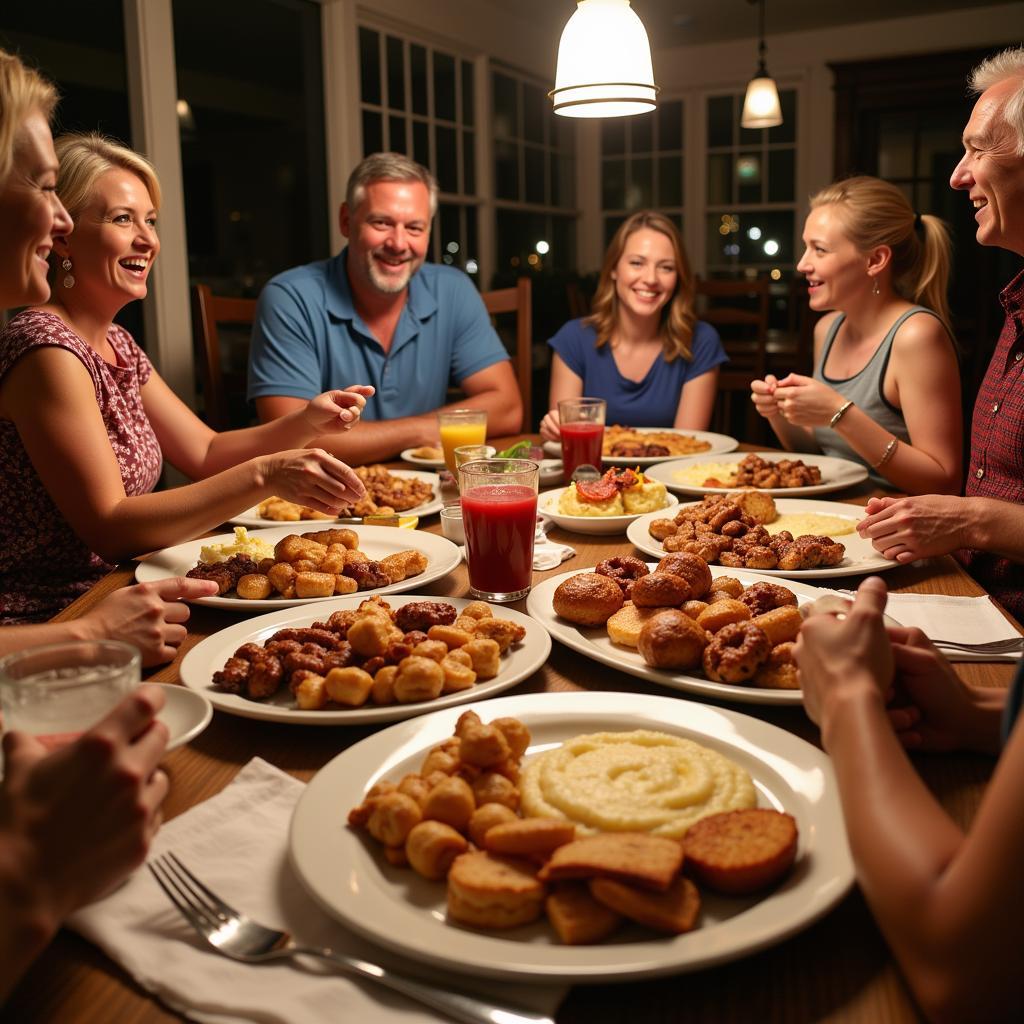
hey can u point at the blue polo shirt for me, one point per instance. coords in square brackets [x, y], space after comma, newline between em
[308, 338]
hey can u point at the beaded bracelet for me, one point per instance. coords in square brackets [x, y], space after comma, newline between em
[838, 414]
[890, 451]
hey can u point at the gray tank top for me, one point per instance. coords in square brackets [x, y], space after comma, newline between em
[864, 389]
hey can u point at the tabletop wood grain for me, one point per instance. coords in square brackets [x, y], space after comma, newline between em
[839, 969]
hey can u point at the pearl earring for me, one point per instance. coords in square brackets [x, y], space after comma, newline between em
[875, 290]
[69, 278]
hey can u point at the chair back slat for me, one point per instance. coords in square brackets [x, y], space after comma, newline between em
[517, 300]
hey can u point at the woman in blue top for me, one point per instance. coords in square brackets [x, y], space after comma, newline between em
[643, 349]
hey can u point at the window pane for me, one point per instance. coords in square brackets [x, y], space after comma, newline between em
[444, 86]
[535, 190]
[670, 181]
[563, 244]
[562, 192]
[396, 74]
[418, 76]
[896, 145]
[447, 165]
[613, 185]
[421, 143]
[468, 108]
[749, 136]
[771, 244]
[534, 111]
[396, 134]
[719, 179]
[472, 242]
[611, 225]
[641, 184]
[720, 123]
[506, 170]
[506, 114]
[613, 136]
[469, 163]
[369, 64]
[785, 132]
[373, 133]
[641, 129]
[670, 125]
[749, 177]
[781, 175]
[449, 234]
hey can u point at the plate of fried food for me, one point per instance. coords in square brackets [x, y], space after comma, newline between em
[646, 446]
[356, 660]
[553, 864]
[791, 537]
[717, 632]
[777, 473]
[607, 505]
[388, 492]
[278, 567]
[428, 456]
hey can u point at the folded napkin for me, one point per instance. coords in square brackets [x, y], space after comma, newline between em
[236, 843]
[968, 620]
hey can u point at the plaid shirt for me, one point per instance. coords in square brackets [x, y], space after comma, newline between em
[997, 447]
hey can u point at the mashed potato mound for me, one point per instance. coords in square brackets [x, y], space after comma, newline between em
[569, 504]
[647, 496]
[243, 544]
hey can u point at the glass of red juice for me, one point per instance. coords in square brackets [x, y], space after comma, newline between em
[499, 515]
[56, 692]
[581, 422]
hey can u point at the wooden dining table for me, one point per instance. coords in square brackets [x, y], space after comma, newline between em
[838, 969]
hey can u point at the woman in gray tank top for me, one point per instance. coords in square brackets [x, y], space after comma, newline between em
[886, 385]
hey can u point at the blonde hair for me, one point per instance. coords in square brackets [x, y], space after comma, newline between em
[875, 212]
[87, 155]
[678, 315]
[22, 91]
[1007, 63]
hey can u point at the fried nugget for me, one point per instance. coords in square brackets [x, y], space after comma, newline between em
[635, 857]
[526, 837]
[674, 911]
[492, 891]
[578, 919]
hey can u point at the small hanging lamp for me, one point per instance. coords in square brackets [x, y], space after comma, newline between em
[604, 63]
[761, 107]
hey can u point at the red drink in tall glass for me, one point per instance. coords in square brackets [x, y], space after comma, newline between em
[500, 522]
[581, 446]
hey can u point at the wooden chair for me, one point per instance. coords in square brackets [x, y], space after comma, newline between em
[209, 311]
[738, 310]
[517, 300]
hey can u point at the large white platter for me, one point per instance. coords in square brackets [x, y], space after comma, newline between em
[250, 517]
[595, 642]
[547, 506]
[836, 474]
[861, 557]
[347, 875]
[208, 656]
[719, 443]
[376, 541]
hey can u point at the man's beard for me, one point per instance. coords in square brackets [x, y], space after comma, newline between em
[390, 284]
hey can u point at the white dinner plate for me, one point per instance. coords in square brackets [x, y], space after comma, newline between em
[547, 506]
[407, 456]
[836, 474]
[376, 541]
[251, 518]
[347, 875]
[861, 556]
[208, 656]
[719, 443]
[595, 643]
[186, 714]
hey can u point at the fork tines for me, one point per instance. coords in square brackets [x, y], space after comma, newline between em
[197, 904]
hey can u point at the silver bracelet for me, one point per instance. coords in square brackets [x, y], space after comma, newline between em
[890, 451]
[839, 414]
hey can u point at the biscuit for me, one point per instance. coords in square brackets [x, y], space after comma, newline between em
[491, 891]
[781, 624]
[671, 639]
[645, 860]
[723, 612]
[578, 919]
[661, 590]
[777, 677]
[740, 852]
[625, 625]
[587, 599]
[674, 911]
[526, 837]
[692, 568]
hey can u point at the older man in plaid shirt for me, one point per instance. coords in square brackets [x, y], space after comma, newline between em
[985, 528]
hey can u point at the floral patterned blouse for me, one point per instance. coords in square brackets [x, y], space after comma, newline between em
[44, 564]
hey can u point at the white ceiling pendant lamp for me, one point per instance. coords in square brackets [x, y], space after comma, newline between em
[761, 108]
[604, 63]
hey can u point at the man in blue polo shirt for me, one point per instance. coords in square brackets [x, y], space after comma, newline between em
[377, 314]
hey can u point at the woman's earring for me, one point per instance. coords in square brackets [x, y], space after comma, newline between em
[69, 278]
[875, 290]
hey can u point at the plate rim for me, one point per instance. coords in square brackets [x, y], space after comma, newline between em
[406, 456]
[821, 826]
[184, 695]
[197, 679]
[673, 680]
[150, 571]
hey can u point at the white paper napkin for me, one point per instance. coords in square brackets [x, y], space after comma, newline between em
[968, 620]
[236, 843]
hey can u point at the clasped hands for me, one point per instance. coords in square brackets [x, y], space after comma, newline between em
[802, 401]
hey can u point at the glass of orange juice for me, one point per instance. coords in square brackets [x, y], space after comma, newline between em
[459, 427]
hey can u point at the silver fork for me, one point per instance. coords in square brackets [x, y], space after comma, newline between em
[241, 938]
[1008, 646]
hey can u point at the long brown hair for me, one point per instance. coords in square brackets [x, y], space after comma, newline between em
[875, 212]
[678, 316]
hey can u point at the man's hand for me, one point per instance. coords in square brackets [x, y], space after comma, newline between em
[922, 526]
